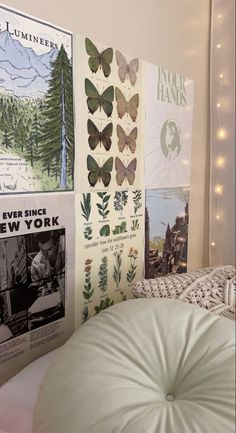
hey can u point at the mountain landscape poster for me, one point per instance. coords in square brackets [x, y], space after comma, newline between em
[36, 106]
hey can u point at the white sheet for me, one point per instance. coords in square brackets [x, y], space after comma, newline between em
[18, 396]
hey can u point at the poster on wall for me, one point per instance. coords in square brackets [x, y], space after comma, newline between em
[168, 99]
[166, 231]
[110, 118]
[36, 278]
[36, 105]
[111, 247]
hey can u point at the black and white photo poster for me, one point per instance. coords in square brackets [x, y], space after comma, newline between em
[36, 278]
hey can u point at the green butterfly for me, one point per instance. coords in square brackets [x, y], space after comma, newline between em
[99, 137]
[95, 100]
[99, 60]
[99, 173]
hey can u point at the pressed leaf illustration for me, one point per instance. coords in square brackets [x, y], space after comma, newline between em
[120, 228]
[120, 200]
[88, 233]
[105, 230]
[117, 268]
[86, 206]
[85, 314]
[104, 303]
[103, 274]
[135, 225]
[88, 290]
[103, 207]
[133, 254]
[137, 199]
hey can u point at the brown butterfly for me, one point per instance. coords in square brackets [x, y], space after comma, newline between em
[123, 106]
[125, 172]
[126, 69]
[126, 140]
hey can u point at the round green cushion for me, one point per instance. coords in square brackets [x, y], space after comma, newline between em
[142, 366]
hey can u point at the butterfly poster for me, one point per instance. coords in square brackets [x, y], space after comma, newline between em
[168, 100]
[110, 117]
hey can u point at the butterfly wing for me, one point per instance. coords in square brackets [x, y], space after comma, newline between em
[132, 71]
[92, 51]
[122, 137]
[94, 170]
[94, 134]
[121, 171]
[107, 98]
[131, 139]
[122, 66]
[133, 106]
[93, 97]
[106, 59]
[106, 171]
[121, 103]
[130, 171]
[106, 136]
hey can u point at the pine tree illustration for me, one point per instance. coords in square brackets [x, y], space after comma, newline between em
[58, 133]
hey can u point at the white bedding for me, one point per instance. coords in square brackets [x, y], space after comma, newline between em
[18, 396]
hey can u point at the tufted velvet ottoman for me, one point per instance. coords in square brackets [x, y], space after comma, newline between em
[142, 366]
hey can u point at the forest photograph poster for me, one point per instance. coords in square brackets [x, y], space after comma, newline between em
[36, 106]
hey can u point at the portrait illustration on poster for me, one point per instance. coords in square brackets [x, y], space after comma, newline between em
[36, 106]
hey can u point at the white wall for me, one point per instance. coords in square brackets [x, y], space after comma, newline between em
[173, 33]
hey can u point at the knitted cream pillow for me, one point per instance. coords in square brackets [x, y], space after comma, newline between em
[210, 288]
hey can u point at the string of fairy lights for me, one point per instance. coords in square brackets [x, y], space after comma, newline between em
[220, 133]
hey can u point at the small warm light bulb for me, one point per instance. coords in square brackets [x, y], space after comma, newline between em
[218, 45]
[221, 133]
[218, 105]
[213, 244]
[220, 162]
[219, 16]
[217, 217]
[221, 75]
[218, 189]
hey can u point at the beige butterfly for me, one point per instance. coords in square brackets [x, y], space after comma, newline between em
[123, 106]
[125, 172]
[126, 69]
[126, 140]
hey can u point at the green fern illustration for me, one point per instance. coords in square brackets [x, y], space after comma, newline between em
[86, 206]
[102, 208]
